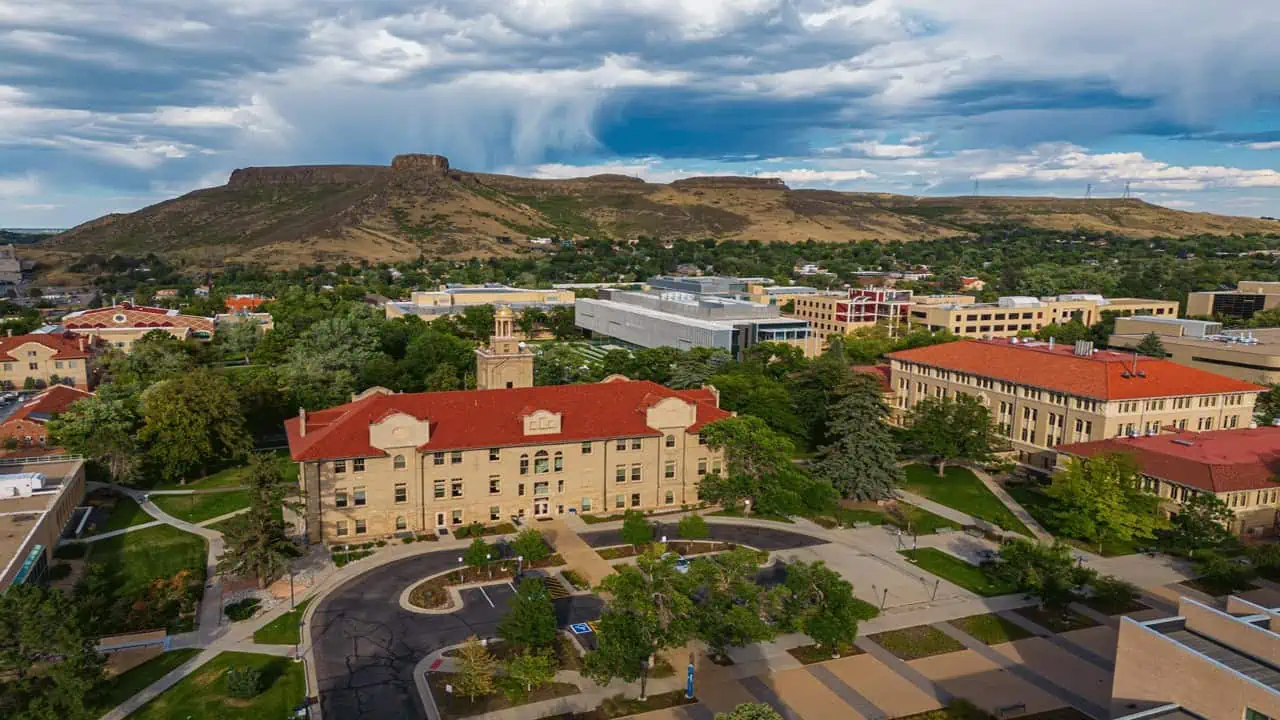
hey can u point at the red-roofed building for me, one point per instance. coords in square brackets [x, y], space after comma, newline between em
[1042, 395]
[1239, 466]
[387, 462]
[42, 359]
[27, 424]
[121, 325]
[245, 303]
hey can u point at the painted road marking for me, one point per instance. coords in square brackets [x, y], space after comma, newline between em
[580, 628]
[486, 596]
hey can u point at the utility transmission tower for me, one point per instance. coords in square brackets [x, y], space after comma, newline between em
[1088, 191]
[1127, 194]
[975, 187]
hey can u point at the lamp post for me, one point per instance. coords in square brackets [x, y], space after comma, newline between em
[519, 566]
[747, 512]
[291, 602]
[487, 566]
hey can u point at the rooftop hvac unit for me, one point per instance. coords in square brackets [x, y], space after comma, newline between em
[1180, 441]
[1084, 348]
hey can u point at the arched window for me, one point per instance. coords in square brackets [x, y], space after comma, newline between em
[398, 462]
[559, 462]
[671, 498]
[541, 462]
[524, 464]
[401, 524]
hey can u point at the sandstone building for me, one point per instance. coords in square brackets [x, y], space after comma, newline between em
[122, 325]
[42, 359]
[506, 362]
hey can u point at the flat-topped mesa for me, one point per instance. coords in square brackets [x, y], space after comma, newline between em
[731, 181]
[417, 162]
[304, 175]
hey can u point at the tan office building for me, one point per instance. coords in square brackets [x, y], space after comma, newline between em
[37, 499]
[451, 299]
[122, 325]
[842, 313]
[45, 359]
[1009, 316]
[1248, 298]
[1041, 395]
[1202, 663]
[387, 463]
[1249, 355]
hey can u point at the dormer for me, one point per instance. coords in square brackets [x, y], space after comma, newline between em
[541, 422]
[670, 413]
[399, 429]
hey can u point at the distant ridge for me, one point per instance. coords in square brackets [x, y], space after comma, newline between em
[289, 216]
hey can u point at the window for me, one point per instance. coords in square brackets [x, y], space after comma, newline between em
[671, 441]
[455, 488]
[339, 466]
[455, 457]
[586, 504]
[495, 512]
[541, 463]
[586, 448]
[358, 497]
[397, 462]
[401, 523]
[34, 365]
[402, 493]
[635, 443]
[560, 485]
[635, 473]
[620, 473]
[702, 439]
[520, 490]
[71, 363]
[524, 464]
[456, 517]
[8, 366]
[495, 484]
[635, 499]
[541, 489]
[438, 458]
[438, 489]
[1251, 714]
[619, 501]
[358, 465]
[670, 498]
[620, 445]
[702, 467]
[57, 364]
[340, 528]
[715, 466]
[340, 498]
[494, 454]
[558, 462]
[669, 471]
[361, 527]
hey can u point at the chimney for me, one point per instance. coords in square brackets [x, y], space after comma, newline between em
[302, 422]
[81, 339]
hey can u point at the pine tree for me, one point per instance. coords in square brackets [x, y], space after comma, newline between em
[257, 542]
[862, 460]
[476, 667]
[1151, 346]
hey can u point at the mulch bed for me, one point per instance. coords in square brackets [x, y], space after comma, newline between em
[810, 654]
[687, 548]
[1057, 621]
[432, 594]
[452, 705]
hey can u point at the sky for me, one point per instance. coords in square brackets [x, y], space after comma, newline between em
[111, 105]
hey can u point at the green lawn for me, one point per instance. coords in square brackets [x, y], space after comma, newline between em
[954, 570]
[1034, 501]
[917, 642]
[284, 629]
[198, 508]
[126, 513]
[113, 691]
[918, 520]
[145, 555]
[233, 476]
[202, 695]
[961, 490]
[991, 629]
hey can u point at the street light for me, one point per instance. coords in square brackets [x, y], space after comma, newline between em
[519, 566]
[487, 565]
[747, 512]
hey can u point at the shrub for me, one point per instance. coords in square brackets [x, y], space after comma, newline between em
[530, 545]
[407, 539]
[575, 579]
[692, 527]
[381, 543]
[1112, 592]
[244, 682]
[242, 609]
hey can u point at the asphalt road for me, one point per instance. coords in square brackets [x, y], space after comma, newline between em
[756, 537]
[366, 645]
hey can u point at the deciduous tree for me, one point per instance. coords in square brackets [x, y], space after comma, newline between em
[189, 422]
[692, 527]
[530, 545]
[526, 672]
[1201, 523]
[103, 428]
[531, 622]
[750, 711]
[950, 429]
[734, 610]
[820, 603]
[1101, 499]
[1047, 571]
[48, 661]
[476, 668]
[636, 531]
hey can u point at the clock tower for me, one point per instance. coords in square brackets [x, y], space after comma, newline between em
[505, 362]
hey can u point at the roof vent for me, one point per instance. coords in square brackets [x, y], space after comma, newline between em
[1180, 441]
[1126, 374]
[1013, 341]
[1142, 373]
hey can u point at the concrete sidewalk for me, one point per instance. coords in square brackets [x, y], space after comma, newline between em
[1014, 506]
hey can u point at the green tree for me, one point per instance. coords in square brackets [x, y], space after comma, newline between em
[1114, 594]
[152, 358]
[694, 368]
[949, 429]
[1201, 523]
[650, 607]
[1101, 500]
[476, 668]
[821, 604]
[257, 543]
[531, 622]
[1267, 409]
[1047, 571]
[636, 531]
[1151, 346]
[734, 610]
[692, 527]
[190, 421]
[238, 339]
[622, 648]
[477, 554]
[48, 661]
[1068, 333]
[244, 682]
[526, 672]
[103, 428]
[530, 545]
[750, 711]
[861, 462]
[753, 452]
[1224, 575]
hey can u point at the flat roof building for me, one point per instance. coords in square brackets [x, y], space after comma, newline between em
[668, 318]
[840, 313]
[1042, 395]
[37, 499]
[1249, 355]
[453, 299]
[1249, 297]
[1011, 315]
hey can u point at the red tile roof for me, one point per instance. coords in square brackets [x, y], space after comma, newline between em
[244, 303]
[1101, 376]
[880, 372]
[53, 401]
[466, 419]
[1219, 461]
[127, 315]
[66, 346]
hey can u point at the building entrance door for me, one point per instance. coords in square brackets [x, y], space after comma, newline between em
[541, 508]
[439, 519]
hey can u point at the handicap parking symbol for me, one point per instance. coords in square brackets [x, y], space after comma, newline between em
[580, 628]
